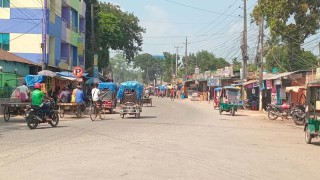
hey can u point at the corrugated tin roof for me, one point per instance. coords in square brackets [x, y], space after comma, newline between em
[276, 76]
[249, 82]
[7, 56]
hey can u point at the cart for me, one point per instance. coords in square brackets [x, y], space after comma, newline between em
[146, 100]
[108, 96]
[216, 97]
[312, 126]
[130, 95]
[77, 109]
[229, 99]
[11, 109]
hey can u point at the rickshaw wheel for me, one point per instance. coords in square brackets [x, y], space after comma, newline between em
[111, 111]
[93, 114]
[78, 111]
[308, 136]
[220, 111]
[6, 114]
[122, 116]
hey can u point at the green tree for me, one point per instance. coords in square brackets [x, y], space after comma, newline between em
[150, 65]
[236, 64]
[124, 71]
[114, 29]
[291, 20]
[277, 57]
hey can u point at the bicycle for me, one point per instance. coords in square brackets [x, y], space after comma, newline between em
[95, 110]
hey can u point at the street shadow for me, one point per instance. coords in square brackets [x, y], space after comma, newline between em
[315, 143]
[149, 106]
[49, 127]
[226, 114]
[141, 117]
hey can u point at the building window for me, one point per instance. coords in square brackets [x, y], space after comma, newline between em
[4, 41]
[4, 3]
[74, 20]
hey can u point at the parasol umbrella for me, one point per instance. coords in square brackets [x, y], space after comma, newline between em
[93, 80]
[47, 73]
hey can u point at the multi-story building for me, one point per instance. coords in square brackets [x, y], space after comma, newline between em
[28, 30]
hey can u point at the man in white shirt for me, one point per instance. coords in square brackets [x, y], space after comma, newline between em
[24, 92]
[95, 94]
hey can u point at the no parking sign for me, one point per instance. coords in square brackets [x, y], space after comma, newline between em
[77, 71]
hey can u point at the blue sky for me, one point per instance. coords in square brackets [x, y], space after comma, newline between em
[217, 27]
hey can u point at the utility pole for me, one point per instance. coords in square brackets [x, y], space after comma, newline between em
[92, 30]
[186, 58]
[177, 52]
[261, 64]
[244, 48]
[44, 35]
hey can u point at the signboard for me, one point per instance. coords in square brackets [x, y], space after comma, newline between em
[214, 82]
[196, 70]
[318, 73]
[77, 71]
[269, 84]
[207, 74]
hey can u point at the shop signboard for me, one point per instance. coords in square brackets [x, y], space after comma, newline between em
[318, 73]
[196, 70]
[214, 82]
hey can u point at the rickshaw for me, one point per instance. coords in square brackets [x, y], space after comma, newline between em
[312, 126]
[146, 98]
[108, 96]
[216, 95]
[130, 95]
[229, 99]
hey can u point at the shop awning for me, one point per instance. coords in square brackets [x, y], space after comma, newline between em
[294, 88]
[249, 82]
[66, 78]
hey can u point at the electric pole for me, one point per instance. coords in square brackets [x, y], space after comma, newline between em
[244, 48]
[177, 52]
[44, 36]
[261, 65]
[186, 58]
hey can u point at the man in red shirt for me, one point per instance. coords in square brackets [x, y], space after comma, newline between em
[172, 94]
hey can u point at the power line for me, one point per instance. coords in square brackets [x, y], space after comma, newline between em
[200, 9]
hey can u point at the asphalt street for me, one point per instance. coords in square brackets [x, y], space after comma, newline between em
[172, 140]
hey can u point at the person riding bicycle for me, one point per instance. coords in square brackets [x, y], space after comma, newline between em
[95, 93]
[38, 97]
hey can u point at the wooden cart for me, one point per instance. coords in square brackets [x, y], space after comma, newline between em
[17, 108]
[78, 109]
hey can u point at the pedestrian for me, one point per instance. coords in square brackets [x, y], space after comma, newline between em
[73, 95]
[208, 93]
[172, 94]
[24, 92]
[178, 94]
[64, 96]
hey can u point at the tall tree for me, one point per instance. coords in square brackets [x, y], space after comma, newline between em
[150, 65]
[292, 20]
[113, 29]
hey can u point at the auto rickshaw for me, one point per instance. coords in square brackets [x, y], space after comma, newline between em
[312, 126]
[130, 94]
[229, 99]
[108, 92]
[216, 97]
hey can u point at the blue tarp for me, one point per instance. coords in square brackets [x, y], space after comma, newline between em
[108, 85]
[69, 74]
[217, 89]
[130, 85]
[163, 88]
[32, 79]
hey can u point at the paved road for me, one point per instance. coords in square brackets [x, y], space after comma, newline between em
[174, 140]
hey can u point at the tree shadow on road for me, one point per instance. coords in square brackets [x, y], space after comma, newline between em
[315, 143]
[141, 117]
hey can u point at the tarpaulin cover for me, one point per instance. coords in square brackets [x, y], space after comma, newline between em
[108, 85]
[130, 85]
[69, 74]
[32, 79]
[162, 88]
[217, 89]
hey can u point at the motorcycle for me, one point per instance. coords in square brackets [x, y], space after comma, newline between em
[284, 111]
[298, 115]
[35, 115]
